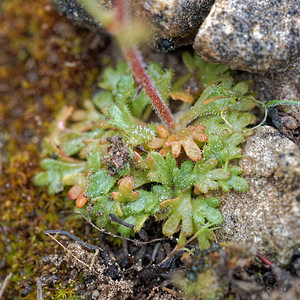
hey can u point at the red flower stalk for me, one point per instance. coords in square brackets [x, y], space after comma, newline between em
[142, 79]
[141, 76]
[134, 58]
[121, 11]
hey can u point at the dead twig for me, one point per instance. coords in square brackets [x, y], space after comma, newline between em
[6, 243]
[4, 285]
[39, 288]
[73, 237]
[66, 249]
[114, 218]
[93, 259]
[135, 242]
[174, 293]
[113, 267]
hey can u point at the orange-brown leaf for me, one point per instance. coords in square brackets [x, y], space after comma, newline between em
[191, 149]
[163, 132]
[197, 133]
[186, 139]
[182, 96]
[75, 191]
[125, 192]
[175, 141]
[81, 201]
[156, 143]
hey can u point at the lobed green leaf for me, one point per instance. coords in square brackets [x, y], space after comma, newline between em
[100, 184]
[55, 171]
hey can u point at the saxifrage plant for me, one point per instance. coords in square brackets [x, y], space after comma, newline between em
[121, 165]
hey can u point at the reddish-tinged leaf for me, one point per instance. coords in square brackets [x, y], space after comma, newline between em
[64, 115]
[81, 201]
[67, 158]
[139, 162]
[186, 139]
[213, 99]
[163, 132]
[192, 150]
[197, 191]
[164, 151]
[125, 193]
[156, 143]
[174, 141]
[75, 191]
[150, 162]
[197, 133]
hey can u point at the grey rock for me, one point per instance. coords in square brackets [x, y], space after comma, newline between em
[76, 13]
[255, 36]
[174, 22]
[268, 214]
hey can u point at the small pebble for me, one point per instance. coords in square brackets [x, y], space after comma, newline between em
[289, 122]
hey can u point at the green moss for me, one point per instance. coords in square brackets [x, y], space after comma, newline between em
[35, 85]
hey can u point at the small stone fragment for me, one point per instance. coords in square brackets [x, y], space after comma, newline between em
[289, 122]
[255, 36]
[295, 263]
[268, 214]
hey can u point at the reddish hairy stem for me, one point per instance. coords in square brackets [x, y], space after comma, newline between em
[143, 79]
[121, 11]
[140, 74]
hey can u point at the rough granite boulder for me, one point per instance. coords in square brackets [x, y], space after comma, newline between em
[267, 216]
[255, 36]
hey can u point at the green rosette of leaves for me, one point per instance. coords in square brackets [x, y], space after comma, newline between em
[122, 168]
